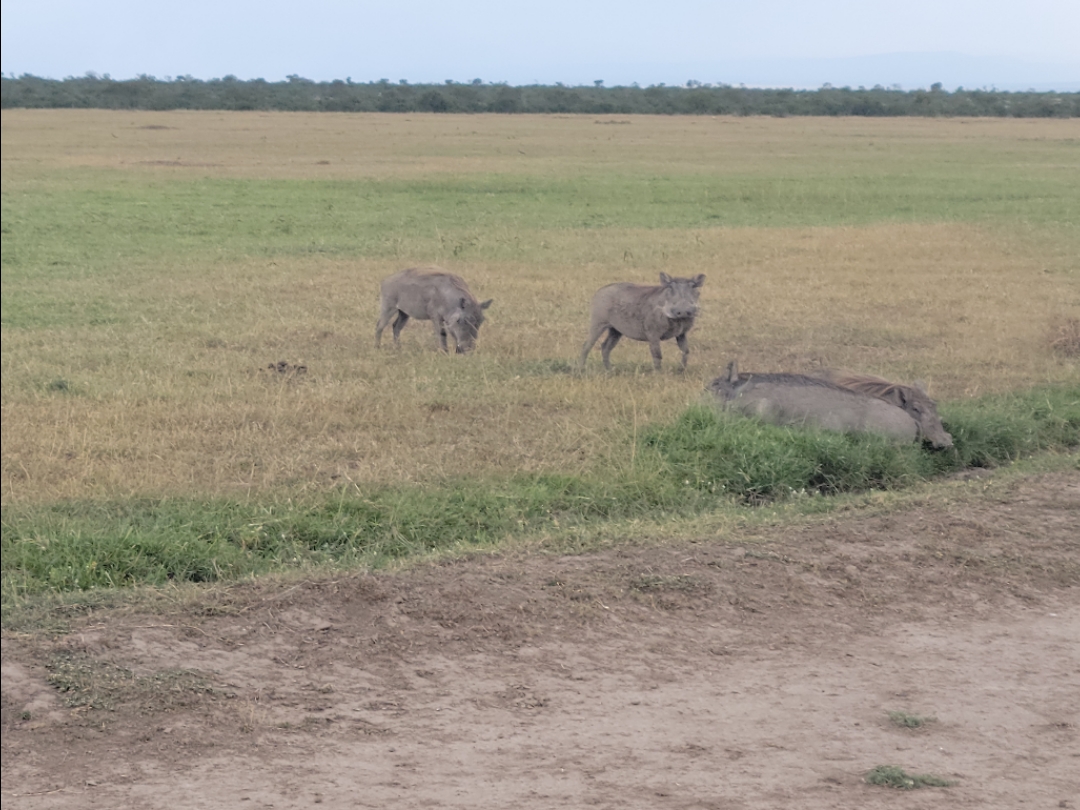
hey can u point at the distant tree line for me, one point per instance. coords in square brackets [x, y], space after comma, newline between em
[693, 98]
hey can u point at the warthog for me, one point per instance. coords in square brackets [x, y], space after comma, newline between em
[795, 399]
[644, 312]
[912, 398]
[431, 295]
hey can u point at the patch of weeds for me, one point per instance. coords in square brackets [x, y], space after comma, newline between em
[62, 386]
[1065, 338]
[896, 777]
[542, 368]
[88, 683]
[905, 720]
[91, 684]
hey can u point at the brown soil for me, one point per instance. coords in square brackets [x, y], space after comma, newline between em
[698, 674]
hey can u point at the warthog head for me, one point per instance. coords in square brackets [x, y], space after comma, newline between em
[913, 399]
[464, 323]
[680, 296]
[923, 410]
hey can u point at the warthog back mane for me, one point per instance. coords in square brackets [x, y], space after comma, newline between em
[868, 384]
[455, 281]
[785, 379]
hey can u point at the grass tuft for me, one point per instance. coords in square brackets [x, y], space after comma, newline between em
[92, 684]
[907, 720]
[896, 777]
[1065, 339]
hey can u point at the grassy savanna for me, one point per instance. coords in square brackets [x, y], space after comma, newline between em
[155, 265]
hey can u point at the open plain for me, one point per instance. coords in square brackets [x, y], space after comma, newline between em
[188, 316]
[156, 265]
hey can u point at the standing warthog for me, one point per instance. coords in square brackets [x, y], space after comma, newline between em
[795, 399]
[643, 312]
[911, 398]
[431, 295]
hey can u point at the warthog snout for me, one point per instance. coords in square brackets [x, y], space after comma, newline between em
[680, 311]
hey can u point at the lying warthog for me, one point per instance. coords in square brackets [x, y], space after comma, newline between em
[795, 399]
[431, 295]
[643, 312]
[911, 398]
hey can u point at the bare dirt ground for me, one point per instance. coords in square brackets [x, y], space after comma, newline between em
[700, 674]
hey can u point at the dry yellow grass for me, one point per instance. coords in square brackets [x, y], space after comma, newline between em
[1065, 337]
[183, 402]
[383, 145]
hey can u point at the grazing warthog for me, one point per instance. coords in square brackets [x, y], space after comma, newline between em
[795, 399]
[912, 398]
[431, 295]
[644, 312]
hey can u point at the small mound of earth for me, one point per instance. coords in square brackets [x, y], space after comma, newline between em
[287, 369]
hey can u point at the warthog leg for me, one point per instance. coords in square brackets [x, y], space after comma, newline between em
[684, 347]
[384, 321]
[594, 335]
[654, 350]
[399, 324]
[612, 339]
[440, 333]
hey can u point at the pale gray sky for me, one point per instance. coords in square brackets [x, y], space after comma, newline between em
[1009, 44]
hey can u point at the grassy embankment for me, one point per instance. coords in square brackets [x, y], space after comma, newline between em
[154, 266]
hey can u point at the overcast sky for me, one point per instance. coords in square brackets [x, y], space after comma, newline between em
[1008, 44]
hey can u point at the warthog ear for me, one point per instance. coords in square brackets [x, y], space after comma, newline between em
[665, 278]
[732, 372]
[487, 303]
[699, 279]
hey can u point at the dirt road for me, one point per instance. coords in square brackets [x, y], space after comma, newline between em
[701, 674]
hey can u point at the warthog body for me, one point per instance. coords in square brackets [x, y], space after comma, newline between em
[431, 295]
[644, 312]
[911, 398]
[798, 400]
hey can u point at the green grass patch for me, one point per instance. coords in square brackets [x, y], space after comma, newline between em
[993, 430]
[702, 461]
[717, 452]
[85, 545]
[908, 720]
[896, 777]
[107, 223]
